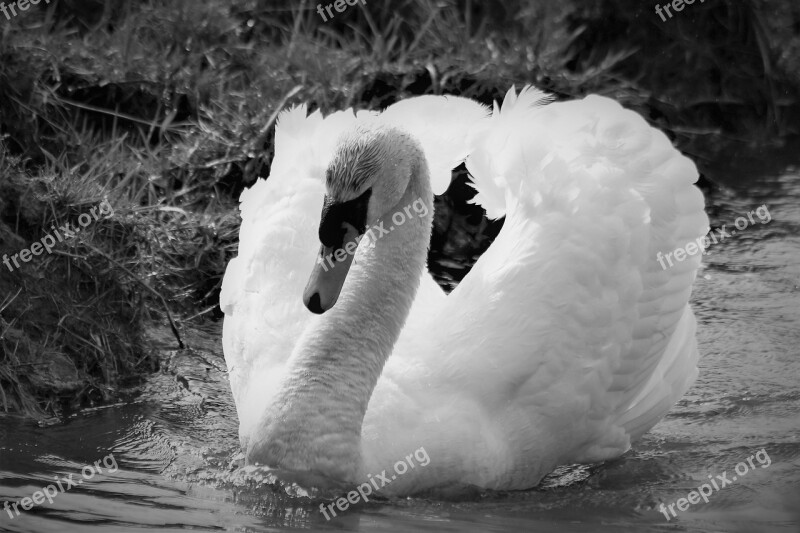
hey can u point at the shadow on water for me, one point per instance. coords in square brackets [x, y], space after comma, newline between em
[177, 452]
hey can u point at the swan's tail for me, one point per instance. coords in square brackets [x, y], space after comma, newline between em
[675, 373]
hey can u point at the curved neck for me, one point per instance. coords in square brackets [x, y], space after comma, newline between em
[314, 422]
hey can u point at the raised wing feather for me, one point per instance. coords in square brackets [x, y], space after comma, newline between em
[442, 125]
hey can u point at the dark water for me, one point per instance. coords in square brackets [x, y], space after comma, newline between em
[176, 450]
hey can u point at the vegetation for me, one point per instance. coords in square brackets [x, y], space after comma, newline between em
[166, 110]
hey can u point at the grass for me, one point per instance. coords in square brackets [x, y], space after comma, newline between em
[167, 109]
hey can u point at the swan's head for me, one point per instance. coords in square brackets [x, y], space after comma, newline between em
[366, 178]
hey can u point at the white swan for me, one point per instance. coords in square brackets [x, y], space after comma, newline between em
[565, 342]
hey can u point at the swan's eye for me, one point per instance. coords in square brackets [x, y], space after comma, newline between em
[336, 214]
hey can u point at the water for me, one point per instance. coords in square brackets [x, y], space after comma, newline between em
[176, 448]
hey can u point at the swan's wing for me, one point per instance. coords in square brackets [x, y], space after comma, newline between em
[441, 124]
[263, 286]
[590, 320]
[567, 338]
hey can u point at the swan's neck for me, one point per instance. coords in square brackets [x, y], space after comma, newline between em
[314, 423]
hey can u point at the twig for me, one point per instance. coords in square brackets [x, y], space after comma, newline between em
[3, 394]
[201, 313]
[261, 138]
[146, 286]
[7, 301]
[117, 114]
[296, 28]
[278, 108]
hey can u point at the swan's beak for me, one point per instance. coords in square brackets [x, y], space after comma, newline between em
[330, 271]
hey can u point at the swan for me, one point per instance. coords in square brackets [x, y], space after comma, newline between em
[565, 342]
